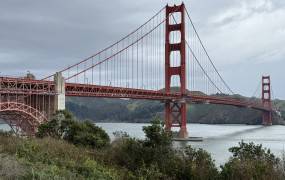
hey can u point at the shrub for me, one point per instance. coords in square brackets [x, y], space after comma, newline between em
[86, 134]
[64, 126]
[250, 161]
[56, 126]
[282, 166]
[156, 135]
[154, 157]
[198, 164]
[49, 158]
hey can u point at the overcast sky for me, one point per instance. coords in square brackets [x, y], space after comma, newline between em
[245, 38]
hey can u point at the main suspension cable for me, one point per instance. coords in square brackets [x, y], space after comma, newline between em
[224, 82]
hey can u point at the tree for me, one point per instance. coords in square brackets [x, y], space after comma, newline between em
[64, 126]
[144, 158]
[86, 134]
[155, 158]
[156, 135]
[250, 161]
[198, 164]
[30, 76]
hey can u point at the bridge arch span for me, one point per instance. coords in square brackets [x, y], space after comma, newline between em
[23, 119]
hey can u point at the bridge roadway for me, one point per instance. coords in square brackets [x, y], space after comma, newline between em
[22, 86]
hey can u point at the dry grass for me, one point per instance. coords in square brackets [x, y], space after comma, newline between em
[49, 159]
[10, 167]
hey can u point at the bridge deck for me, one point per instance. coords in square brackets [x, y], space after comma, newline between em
[39, 87]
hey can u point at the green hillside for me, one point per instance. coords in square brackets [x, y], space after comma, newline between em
[141, 111]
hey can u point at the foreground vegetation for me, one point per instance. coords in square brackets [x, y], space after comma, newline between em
[68, 149]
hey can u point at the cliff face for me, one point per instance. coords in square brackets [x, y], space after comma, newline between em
[141, 111]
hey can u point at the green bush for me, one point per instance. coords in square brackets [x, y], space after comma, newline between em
[49, 158]
[252, 162]
[64, 126]
[154, 157]
[198, 164]
[57, 126]
[156, 135]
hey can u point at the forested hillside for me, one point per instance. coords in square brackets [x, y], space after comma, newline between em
[122, 110]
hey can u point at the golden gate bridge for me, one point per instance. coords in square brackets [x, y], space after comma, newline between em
[164, 59]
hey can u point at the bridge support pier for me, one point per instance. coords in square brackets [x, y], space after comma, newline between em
[59, 99]
[266, 100]
[175, 116]
[267, 118]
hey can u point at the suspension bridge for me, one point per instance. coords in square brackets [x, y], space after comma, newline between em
[164, 59]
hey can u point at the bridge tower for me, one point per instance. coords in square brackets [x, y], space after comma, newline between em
[59, 99]
[266, 100]
[175, 111]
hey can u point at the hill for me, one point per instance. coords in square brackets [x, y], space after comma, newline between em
[142, 111]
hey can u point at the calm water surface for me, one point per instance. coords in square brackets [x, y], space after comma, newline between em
[216, 138]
